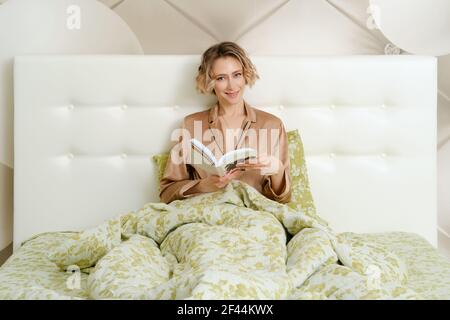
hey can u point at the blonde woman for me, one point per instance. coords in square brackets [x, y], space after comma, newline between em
[225, 71]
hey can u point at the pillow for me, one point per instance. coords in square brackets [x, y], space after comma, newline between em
[301, 197]
[161, 161]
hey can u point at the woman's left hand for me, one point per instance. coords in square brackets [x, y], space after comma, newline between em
[269, 165]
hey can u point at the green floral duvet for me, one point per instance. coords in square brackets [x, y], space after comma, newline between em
[230, 244]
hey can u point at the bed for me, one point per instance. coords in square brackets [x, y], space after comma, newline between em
[87, 126]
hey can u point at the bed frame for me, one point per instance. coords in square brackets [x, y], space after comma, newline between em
[86, 126]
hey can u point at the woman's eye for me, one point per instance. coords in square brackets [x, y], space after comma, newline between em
[236, 75]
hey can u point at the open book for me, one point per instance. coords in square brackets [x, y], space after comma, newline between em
[204, 159]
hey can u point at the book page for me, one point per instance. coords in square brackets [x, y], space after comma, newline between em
[204, 151]
[219, 171]
[236, 155]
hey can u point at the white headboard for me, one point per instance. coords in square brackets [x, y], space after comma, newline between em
[86, 127]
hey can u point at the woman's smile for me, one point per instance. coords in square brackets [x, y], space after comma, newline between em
[232, 94]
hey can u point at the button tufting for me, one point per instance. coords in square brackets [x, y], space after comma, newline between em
[281, 107]
[70, 155]
[383, 155]
[176, 107]
[123, 155]
[124, 107]
[70, 107]
[383, 106]
[332, 155]
[333, 106]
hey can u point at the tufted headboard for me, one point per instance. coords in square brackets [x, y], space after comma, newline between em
[86, 126]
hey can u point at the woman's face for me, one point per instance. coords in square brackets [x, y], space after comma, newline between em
[230, 81]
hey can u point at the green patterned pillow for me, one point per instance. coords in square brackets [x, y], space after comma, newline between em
[161, 161]
[301, 197]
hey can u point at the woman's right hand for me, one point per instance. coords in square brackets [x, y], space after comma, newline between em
[214, 182]
[219, 182]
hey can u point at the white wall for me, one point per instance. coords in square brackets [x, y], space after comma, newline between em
[283, 27]
[30, 26]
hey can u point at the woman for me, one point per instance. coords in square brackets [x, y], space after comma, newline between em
[225, 70]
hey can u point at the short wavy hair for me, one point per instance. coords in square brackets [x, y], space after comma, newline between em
[205, 81]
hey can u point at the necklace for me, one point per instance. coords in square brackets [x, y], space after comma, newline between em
[239, 140]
